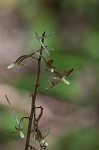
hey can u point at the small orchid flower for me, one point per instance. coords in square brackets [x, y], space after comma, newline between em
[40, 138]
[59, 77]
[43, 144]
[56, 80]
[52, 70]
[19, 129]
[15, 65]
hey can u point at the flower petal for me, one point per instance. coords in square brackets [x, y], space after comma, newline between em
[21, 134]
[15, 65]
[12, 66]
[65, 81]
[44, 48]
[52, 70]
[43, 143]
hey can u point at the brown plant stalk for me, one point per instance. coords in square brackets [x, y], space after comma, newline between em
[32, 113]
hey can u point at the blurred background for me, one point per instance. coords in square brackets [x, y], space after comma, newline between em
[71, 112]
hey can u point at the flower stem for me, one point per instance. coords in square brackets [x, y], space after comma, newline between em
[32, 113]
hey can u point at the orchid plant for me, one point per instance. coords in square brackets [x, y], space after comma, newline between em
[33, 120]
